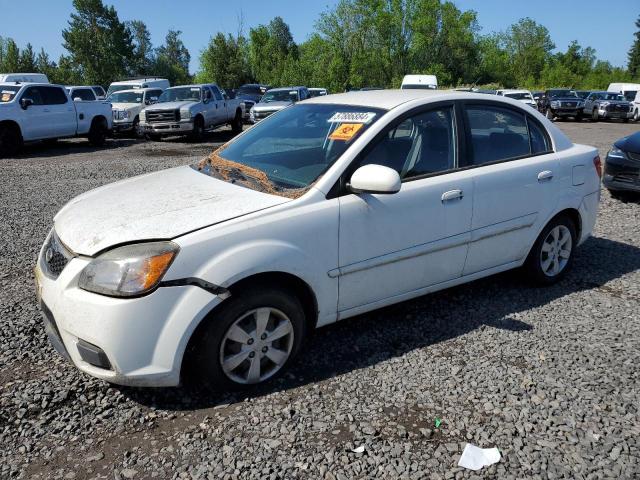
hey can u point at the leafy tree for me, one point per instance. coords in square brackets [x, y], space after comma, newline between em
[225, 61]
[68, 72]
[98, 42]
[172, 59]
[271, 49]
[529, 45]
[11, 57]
[27, 61]
[46, 66]
[143, 56]
[634, 53]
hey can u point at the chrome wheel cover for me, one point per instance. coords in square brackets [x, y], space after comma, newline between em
[556, 251]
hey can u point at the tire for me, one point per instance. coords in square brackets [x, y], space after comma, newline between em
[236, 125]
[10, 141]
[578, 117]
[153, 137]
[238, 318]
[136, 132]
[594, 115]
[549, 114]
[636, 115]
[198, 130]
[617, 194]
[625, 120]
[97, 133]
[546, 263]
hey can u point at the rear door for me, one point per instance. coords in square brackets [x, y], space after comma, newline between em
[515, 177]
[220, 112]
[61, 112]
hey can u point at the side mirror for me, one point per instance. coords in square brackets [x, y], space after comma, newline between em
[77, 99]
[375, 179]
[26, 103]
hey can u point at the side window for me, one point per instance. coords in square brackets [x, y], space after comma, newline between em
[496, 134]
[216, 93]
[35, 94]
[84, 94]
[422, 144]
[540, 142]
[54, 95]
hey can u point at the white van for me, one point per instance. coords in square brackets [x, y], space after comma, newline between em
[630, 91]
[148, 82]
[23, 78]
[424, 82]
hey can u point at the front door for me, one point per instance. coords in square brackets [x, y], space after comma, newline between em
[395, 244]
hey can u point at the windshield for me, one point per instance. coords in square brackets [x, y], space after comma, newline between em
[562, 93]
[613, 96]
[292, 148]
[126, 97]
[180, 94]
[417, 86]
[519, 96]
[250, 91]
[117, 88]
[280, 96]
[630, 95]
[8, 93]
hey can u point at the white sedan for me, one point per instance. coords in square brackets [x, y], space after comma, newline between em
[328, 209]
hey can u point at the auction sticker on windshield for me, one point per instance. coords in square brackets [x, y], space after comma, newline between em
[353, 117]
[345, 132]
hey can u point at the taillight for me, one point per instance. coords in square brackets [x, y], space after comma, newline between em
[598, 164]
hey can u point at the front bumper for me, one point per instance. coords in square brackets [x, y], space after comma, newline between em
[615, 115]
[142, 339]
[621, 174]
[566, 112]
[122, 126]
[168, 128]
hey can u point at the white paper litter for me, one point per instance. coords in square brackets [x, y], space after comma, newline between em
[474, 458]
[359, 449]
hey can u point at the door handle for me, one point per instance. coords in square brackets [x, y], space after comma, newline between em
[545, 175]
[452, 195]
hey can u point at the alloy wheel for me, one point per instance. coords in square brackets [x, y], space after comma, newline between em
[256, 345]
[556, 251]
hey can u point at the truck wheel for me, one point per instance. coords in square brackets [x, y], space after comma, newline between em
[137, 131]
[636, 115]
[578, 117]
[625, 120]
[236, 125]
[549, 114]
[98, 133]
[10, 141]
[594, 115]
[198, 130]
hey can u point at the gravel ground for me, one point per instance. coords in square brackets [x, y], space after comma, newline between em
[549, 376]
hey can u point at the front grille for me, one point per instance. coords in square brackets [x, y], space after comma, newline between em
[569, 104]
[55, 257]
[625, 178]
[157, 116]
[262, 114]
[634, 156]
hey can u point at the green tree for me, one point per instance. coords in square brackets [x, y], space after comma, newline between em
[224, 61]
[271, 49]
[27, 62]
[172, 59]
[11, 57]
[529, 45]
[98, 42]
[634, 53]
[143, 57]
[67, 73]
[46, 66]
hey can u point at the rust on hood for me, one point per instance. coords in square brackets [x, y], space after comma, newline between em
[237, 173]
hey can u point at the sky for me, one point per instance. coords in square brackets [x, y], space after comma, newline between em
[606, 26]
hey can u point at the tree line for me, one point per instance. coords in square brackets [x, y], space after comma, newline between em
[355, 44]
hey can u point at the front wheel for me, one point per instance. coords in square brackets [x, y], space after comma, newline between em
[236, 125]
[594, 115]
[10, 141]
[549, 114]
[252, 338]
[551, 257]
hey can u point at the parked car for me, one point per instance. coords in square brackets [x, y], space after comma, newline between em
[607, 105]
[583, 93]
[99, 91]
[23, 78]
[146, 82]
[82, 94]
[537, 96]
[524, 96]
[561, 103]
[630, 91]
[127, 105]
[429, 82]
[275, 100]
[331, 208]
[622, 166]
[190, 110]
[317, 92]
[42, 111]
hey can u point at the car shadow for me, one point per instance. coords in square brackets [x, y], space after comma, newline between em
[215, 136]
[63, 147]
[378, 336]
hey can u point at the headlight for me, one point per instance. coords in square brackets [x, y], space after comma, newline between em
[604, 104]
[616, 153]
[555, 104]
[143, 116]
[185, 114]
[130, 270]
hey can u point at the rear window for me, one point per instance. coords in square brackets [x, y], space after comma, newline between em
[84, 94]
[7, 93]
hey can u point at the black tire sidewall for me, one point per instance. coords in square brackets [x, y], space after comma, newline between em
[532, 264]
[198, 129]
[205, 369]
[97, 134]
[10, 142]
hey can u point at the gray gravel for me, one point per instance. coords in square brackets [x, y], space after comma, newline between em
[549, 376]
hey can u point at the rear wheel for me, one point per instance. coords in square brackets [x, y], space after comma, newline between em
[10, 141]
[551, 257]
[251, 339]
[98, 133]
[198, 130]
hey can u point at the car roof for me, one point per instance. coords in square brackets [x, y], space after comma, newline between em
[194, 85]
[387, 99]
[136, 90]
[514, 90]
[277, 89]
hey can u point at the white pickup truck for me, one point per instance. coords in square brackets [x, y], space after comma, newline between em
[39, 111]
[190, 110]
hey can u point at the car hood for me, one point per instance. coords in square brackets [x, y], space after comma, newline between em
[125, 106]
[160, 205]
[269, 106]
[630, 143]
[170, 106]
[565, 99]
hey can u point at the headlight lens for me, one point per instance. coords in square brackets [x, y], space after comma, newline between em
[555, 104]
[130, 270]
[185, 114]
[143, 116]
[616, 152]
